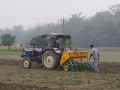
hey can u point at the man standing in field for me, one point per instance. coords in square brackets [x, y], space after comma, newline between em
[95, 54]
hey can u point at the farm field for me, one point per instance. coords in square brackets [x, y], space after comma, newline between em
[109, 56]
[36, 78]
[14, 77]
[40, 79]
[10, 55]
[104, 56]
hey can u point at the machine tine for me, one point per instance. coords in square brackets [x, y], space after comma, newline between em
[75, 65]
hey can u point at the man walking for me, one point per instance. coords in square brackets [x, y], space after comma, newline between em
[95, 54]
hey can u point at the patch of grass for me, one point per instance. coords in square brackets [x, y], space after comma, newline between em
[60, 78]
[76, 77]
[54, 82]
[88, 81]
[45, 77]
[42, 82]
[18, 73]
[118, 79]
[65, 83]
[30, 81]
[10, 52]
[104, 83]
[8, 56]
[111, 76]
[80, 81]
[9, 80]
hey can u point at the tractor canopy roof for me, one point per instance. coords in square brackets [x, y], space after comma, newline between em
[56, 35]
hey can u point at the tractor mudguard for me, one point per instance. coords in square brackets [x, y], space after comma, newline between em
[52, 48]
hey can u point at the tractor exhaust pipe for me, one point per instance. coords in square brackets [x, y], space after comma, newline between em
[33, 45]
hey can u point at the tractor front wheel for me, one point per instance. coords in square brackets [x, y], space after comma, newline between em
[26, 63]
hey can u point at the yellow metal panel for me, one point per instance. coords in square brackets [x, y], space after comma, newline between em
[73, 55]
[78, 54]
[64, 58]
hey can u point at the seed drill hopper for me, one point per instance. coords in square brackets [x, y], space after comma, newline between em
[58, 55]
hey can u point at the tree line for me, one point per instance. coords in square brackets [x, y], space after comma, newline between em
[102, 30]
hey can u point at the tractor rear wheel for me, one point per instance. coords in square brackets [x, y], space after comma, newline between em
[50, 60]
[26, 63]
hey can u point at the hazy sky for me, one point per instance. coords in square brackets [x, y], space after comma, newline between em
[32, 12]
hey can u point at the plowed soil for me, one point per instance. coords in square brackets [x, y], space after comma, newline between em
[108, 68]
[12, 86]
[104, 67]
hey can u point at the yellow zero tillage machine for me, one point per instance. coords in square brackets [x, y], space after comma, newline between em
[75, 61]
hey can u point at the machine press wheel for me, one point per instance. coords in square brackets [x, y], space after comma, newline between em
[26, 63]
[66, 68]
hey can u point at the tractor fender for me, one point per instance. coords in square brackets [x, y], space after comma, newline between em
[56, 50]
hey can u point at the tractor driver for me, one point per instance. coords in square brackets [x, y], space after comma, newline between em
[52, 43]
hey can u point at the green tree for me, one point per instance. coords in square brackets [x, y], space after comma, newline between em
[8, 40]
[38, 41]
[102, 29]
[114, 8]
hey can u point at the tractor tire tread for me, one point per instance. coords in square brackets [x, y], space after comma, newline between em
[56, 60]
[28, 61]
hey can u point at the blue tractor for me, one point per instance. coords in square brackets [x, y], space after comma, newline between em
[48, 56]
